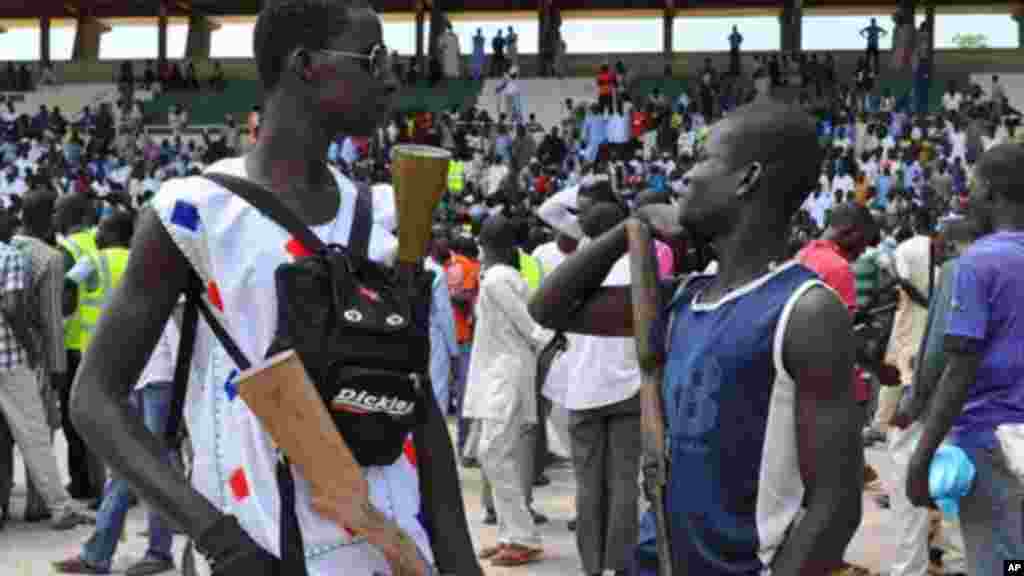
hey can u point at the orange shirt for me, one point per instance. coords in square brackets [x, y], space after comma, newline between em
[463, 276]
[860, 193]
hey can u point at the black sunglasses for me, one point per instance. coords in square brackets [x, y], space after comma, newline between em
[377, 59]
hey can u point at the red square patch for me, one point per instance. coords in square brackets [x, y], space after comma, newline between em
[239, 485]
[410, 451]
[297, 249]
[213, 293]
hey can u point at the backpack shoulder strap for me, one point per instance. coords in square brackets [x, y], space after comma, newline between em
[194, 306]
[362, 222]
[269, 205]
[183, 364]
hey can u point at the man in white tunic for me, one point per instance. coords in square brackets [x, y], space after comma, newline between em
[316, 84]
[500, 395]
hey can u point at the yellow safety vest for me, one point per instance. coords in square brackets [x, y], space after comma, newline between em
[456, 176]
[531, 270]
[81, 245]
[110, 266]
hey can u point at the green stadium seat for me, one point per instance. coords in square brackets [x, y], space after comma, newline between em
[241, 95]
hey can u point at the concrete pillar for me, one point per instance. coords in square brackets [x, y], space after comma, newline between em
[791, 26]
[542, 33]
[667, 37]
[906, 12]
[161, 34]
[1018, 17]
[929, 22]
[438, 26]
[87, 39]
[420, 17]
[44, 39]
[200, 30]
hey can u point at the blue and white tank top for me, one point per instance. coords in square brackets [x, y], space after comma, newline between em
[735, 486]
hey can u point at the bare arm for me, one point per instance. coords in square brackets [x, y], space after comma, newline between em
[69, 302]
[943, 410]
[572, 299]
[128, 331]
[818, 353]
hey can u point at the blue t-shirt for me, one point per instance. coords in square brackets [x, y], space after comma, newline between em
[987, 293]
[882, 185]
[656, 182]
[873, 32]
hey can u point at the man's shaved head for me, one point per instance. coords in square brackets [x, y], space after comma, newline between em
[1002, 169]
[853, 228]
[763, 157]
[284, 25]
[72, 210]
[784, 139]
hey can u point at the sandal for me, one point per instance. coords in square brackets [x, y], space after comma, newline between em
[150, 565]
[852, 570]
[490, 551]
[77, 566]
[516, 555]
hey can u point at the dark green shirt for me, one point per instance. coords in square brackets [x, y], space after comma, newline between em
[932, 360]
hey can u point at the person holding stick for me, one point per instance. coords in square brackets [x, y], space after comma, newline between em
[325, 72]
[762, 426]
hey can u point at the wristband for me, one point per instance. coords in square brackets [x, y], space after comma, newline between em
[226, 543]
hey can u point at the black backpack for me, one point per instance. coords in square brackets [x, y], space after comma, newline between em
[361, 331]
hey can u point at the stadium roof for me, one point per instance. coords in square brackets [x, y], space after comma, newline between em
[26, 9]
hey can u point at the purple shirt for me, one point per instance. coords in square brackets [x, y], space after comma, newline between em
[987, 295]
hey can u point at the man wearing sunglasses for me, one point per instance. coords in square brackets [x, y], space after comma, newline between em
[325, 73]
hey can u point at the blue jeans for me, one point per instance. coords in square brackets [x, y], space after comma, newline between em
[154, 401]
[990, 515]
[460, 393]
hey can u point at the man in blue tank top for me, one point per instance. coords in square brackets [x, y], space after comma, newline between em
[763, 430]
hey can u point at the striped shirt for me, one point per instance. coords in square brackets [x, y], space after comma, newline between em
[14, 278]
[867, 271]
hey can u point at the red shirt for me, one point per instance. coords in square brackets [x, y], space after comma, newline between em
[825, 258]
[540, 185]
[604, 83]
[639, 124]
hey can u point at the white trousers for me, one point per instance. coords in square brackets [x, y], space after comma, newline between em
[912, 522]
[498, 452]
[22, 405]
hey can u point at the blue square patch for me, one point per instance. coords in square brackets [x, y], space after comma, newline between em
[230, 387]
[185, 215]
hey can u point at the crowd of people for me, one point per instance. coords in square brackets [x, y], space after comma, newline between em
[910, 217]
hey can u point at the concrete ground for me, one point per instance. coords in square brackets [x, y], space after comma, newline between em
[28, 549]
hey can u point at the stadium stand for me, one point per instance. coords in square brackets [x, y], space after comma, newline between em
[544, 97]
[71, 98]
[240, 95]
